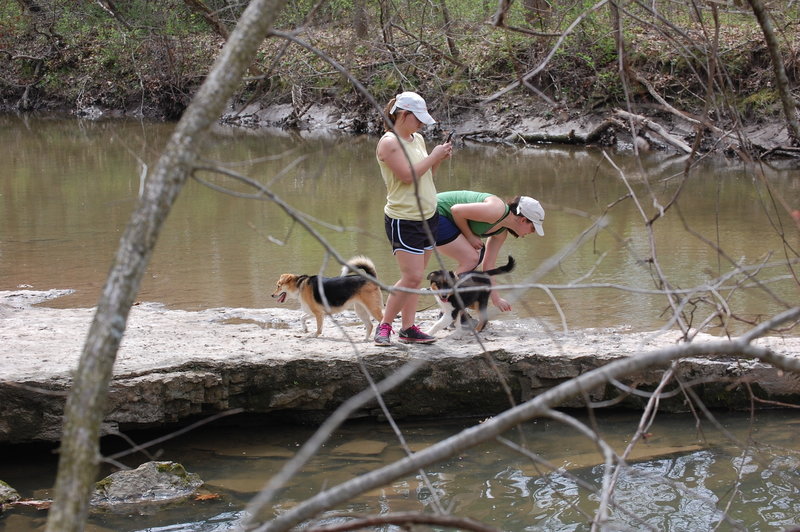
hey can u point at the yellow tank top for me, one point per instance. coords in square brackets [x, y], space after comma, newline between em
[401, 202]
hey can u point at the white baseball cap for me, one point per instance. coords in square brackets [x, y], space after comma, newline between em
[411, 101]
[533, 211]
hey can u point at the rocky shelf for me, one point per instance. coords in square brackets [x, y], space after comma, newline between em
[175, 367]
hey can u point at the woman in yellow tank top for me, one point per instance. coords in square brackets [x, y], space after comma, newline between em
[410, 211]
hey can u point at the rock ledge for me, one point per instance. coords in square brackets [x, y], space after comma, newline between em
[174, 367]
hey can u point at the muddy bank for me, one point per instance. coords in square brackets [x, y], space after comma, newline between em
[519, 123]
[176, 366]
[522, 124]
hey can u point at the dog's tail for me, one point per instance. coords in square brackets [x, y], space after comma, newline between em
[361, 262]
[503, 269]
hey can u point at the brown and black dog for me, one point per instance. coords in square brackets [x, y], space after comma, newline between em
[327, 295]
[473, 290]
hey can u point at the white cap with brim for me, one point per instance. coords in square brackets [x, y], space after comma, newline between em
[411, 101]
[533, 211]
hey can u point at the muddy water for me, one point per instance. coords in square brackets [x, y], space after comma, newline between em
[681, 478]
[68, 188]
[67, 191]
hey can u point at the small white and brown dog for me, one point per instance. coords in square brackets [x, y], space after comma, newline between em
[468, 290]
[328, 295]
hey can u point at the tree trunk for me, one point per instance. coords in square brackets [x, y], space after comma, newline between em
[360, 25]
[79, 453]
[448, 30]
[781, 79]
[386, 26]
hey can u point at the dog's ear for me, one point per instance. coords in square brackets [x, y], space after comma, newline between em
[432, 275]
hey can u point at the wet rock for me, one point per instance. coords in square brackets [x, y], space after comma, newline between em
[7, 493]
[90, 112]
[151, 482]
[361, 447]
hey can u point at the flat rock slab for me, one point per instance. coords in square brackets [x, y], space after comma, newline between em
[176, 366]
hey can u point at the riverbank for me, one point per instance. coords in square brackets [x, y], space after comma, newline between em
[175, 367]
[553, 85]
[523, 123]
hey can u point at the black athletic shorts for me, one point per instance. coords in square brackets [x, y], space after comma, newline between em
[410, 235]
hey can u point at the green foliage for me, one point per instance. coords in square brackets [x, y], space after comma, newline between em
[385, 83]
[296, 11]
[168, 47]
[13, 25]
[459, 88]
[763, 102]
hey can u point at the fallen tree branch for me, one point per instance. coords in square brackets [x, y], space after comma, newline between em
[567, 137]
[658, 129]
[109, 7]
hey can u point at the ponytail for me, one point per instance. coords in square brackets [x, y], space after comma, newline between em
[513, 205]
[387, 126]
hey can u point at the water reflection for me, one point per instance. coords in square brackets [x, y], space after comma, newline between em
[681, 480]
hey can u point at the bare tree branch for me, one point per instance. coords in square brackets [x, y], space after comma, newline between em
[546, 60]
[407, 519]
[313, 444]
[85, 405]
[781, 80]
[216, 24]
[111, 8]
[537, 406]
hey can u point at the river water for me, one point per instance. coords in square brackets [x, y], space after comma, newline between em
[682, 478]
[68, 188]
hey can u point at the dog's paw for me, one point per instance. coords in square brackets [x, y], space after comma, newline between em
[469, 323]
[461, 334]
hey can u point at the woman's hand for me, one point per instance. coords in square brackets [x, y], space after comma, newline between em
[474, 241]
[500, 303]
[439, 154]
[442, 151]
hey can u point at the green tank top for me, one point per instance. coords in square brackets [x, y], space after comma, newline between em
[446, 200]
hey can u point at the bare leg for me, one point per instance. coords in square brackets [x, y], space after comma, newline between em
[468, 258]
[412, 270]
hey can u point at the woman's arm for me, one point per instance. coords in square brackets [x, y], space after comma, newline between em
[489, 210]
[493, 245]
[391, 153]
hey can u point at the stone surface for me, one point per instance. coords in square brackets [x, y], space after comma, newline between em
[175, 367]
[150, 483]
[7, 494]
